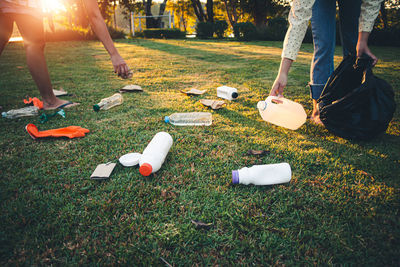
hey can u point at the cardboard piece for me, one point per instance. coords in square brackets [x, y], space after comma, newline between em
[193, 91]
[103, 171]
[214, 104]
[131, 88]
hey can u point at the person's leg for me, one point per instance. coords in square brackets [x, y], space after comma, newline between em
[323, 27]
[32, 32]
[349, 14]
[6, 28]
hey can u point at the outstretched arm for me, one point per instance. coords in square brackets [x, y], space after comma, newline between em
[299, 15]
[281, 78]
[369, 12]
[100, 29]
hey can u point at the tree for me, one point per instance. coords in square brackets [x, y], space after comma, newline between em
[199, 11]
[184, 13]
[145, 6]
[231, 7]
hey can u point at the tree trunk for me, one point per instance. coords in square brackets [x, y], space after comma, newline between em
[383, 14]
[198, 10]
[160, 13]
[210, 11]
[260, 13]
[231, 11]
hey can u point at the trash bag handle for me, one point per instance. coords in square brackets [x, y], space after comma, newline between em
[363, 62]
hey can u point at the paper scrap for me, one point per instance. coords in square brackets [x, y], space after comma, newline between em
[214, 104]
[103, 171]
[131, 88]
[193, 91]
[60, 92]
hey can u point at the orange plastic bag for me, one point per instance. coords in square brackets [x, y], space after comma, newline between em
[34, 101]
[70, 132]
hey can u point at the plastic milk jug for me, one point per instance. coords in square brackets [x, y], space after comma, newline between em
[227, 92]
[263, 174]
[155, 153]
[282, 112]
[190, 119]
[109, 102]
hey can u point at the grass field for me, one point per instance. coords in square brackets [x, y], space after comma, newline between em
[341, 207]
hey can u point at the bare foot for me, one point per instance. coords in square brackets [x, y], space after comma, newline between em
[58, 103]
[316, 120]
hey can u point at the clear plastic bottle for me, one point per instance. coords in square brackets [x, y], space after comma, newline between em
[22, 112]
[263, 174]
[190, 119]
[282, 112]
[155, 153]
[109, 102]
[227, 92]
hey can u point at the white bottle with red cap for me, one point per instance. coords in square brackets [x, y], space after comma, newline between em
[263, 174]
[155, 153]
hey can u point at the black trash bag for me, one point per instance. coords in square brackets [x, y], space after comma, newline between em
[355, 104]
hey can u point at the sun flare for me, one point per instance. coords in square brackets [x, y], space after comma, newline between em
[53, 6]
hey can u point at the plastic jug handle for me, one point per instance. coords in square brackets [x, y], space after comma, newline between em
[275, 99]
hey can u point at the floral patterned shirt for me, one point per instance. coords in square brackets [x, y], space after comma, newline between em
[300, 13]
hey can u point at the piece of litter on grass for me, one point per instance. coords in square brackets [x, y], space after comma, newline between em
[131, 88]
[45, 117]
[60, 92]
[214, 104]
[193, 91]
[252, 152]
[201, 225]
[103, 171]
[70, 132]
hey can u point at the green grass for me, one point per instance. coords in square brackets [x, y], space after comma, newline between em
[341, 207]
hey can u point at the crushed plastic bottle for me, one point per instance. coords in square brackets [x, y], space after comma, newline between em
[190, 119]
[109, 102]
[22, 112]
[155, 153]
[227, 92]
[263, 174]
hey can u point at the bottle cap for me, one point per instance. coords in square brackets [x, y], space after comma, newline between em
[131, 159]
[145, 169]
[235, 95]
[166, 119]
[235, 177]
[96, 107]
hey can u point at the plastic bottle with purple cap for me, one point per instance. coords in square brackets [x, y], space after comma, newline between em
[263, 174]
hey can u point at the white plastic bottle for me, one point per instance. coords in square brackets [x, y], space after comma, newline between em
[227, 92]
[22, 112]
[109, 102]
[155, 153]
[282, 112]
[190, 119]
[263, 174]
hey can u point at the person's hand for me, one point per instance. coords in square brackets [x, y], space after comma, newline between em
[362, 47]
[279, 85]
[120, 67]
